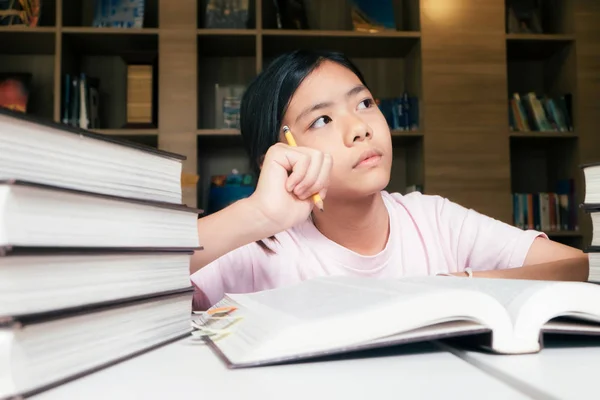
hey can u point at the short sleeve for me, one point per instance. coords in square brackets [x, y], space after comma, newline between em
[231, 273]
[481, 242]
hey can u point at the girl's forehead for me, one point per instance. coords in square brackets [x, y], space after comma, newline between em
[326, 83]
[330, 72]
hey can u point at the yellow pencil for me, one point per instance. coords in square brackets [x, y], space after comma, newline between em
[290, 139]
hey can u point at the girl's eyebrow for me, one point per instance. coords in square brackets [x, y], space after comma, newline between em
[355, 90]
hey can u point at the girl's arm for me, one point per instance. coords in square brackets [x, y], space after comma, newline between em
[283, 197]
[228, 229]
[495, 249]
[545, 260]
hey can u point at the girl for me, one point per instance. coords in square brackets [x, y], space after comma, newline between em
[278, 237]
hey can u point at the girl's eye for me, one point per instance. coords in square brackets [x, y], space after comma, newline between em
[321, 121]
[366, 102]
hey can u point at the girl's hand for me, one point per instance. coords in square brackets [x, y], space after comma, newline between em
[289, 177]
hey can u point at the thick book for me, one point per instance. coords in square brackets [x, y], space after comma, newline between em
[593, 253]
[338, 314]
[45, 351]
[41, 280]
[592, 210]
[41, 150]
[591, 174]
[37, 215]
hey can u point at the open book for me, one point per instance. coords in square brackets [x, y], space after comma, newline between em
[331, 315]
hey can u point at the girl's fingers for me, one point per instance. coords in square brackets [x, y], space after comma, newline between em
[322, 180]
[308, 169]
[299, 164]
[303, 188]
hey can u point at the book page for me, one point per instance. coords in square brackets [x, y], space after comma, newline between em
[265, 314]
[324, 297]
[341, 312]
[511, 293]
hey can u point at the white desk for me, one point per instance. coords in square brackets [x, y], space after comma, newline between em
[562, 370]
[186, 369]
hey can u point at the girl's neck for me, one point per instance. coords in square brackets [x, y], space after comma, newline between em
[361, 226]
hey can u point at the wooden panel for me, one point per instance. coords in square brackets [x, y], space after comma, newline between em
[464, 88]
[463, 67]
[587, 101]
[177, 84]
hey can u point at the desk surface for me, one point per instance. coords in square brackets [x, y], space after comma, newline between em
[564, 369]
[187, 368]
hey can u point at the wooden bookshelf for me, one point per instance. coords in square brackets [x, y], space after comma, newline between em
[458, 58]
[545, 154]
[389, 60]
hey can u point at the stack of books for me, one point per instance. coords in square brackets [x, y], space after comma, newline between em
[591, 204]
[95, 246]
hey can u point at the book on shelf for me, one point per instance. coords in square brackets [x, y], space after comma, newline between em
[228, 99]
[340, 314]
[95, 248]
[401, 113]
[119, 13]
[290, 14]
[531, 112]
[81, 101]
[547, 211]
[372, 15]
[15, 90]
[231, 14]
[524, 16]
[23, 12]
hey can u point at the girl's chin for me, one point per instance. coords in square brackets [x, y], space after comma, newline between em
[357, 187]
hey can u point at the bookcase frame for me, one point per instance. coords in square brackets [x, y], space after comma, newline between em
[455, 56]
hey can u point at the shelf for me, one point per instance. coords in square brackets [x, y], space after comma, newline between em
[227, 32]
[341, 33]
[403, 138]
[535, 47]
[537, 37]
[563, 233]
[126, 132]
[20, 39]
[353, 44]
[227, 42]
[111, 41]
[218, 132]
[23, 28]
[543, 135]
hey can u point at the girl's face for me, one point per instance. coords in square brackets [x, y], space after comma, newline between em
[333, 112]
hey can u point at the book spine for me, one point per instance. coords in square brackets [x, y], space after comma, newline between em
[66, 99]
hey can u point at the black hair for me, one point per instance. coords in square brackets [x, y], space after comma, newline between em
[266, 99]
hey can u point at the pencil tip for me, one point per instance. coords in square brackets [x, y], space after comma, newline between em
[319, 205]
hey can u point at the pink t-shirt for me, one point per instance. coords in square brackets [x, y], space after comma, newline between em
[428, 235]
